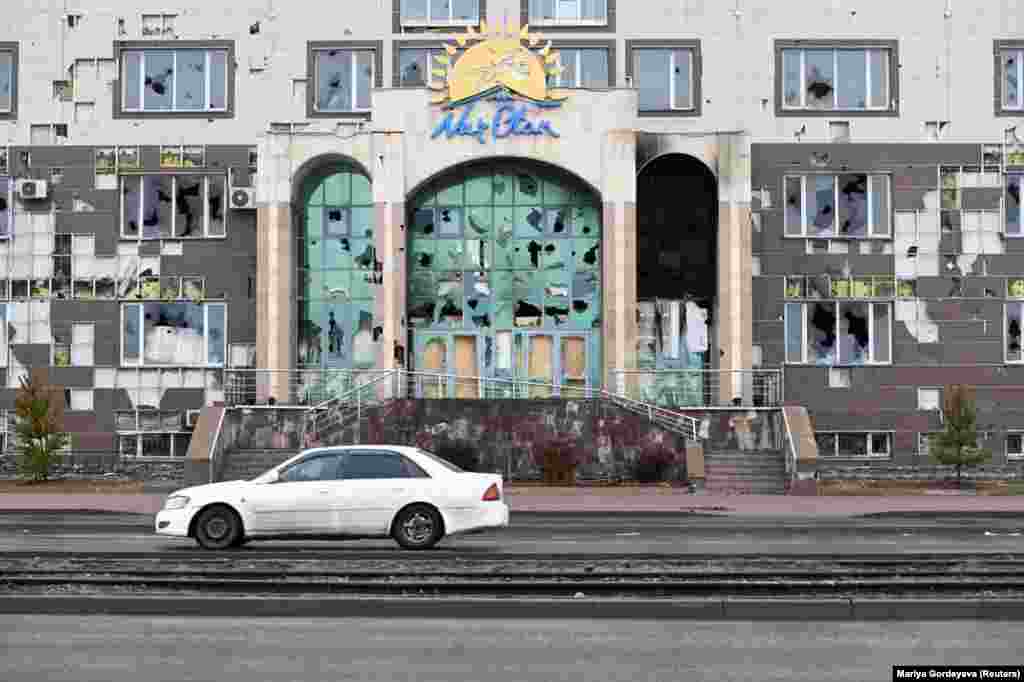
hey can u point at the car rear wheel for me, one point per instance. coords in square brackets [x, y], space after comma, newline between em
[218, 528]
[418, 527]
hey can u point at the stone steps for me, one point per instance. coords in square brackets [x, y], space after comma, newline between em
[750, 473]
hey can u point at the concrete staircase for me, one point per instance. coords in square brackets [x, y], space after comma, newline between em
[757, 472]
[247, 464]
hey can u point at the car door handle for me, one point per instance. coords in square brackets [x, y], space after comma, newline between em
[398, 491]
[325, 492]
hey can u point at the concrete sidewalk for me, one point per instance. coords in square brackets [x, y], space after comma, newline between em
[608, 500]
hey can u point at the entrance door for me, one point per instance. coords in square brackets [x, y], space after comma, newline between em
[574, 366]
[435, 361]
[467, 372]
[540, 350]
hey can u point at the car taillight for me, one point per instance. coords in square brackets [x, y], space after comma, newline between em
[492, 493]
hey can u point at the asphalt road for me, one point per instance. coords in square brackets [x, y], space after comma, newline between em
[533, 533]
[106, 649]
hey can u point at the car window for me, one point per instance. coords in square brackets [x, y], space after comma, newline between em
[412, 469]
[314, 468]
[375, 465]
[442, 462]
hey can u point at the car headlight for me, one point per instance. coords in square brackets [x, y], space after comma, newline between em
[175, 502]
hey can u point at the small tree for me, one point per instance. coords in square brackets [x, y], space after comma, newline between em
[958, 444]
[39, 438]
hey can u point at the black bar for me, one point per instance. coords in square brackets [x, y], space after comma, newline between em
[957, 672]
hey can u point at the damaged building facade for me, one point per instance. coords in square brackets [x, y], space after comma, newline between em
[582, 194]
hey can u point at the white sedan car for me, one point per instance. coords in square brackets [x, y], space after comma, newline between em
[365, 491]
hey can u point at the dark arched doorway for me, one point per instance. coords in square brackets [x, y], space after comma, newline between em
[677, 275]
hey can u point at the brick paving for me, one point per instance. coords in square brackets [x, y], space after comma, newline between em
[571, 500]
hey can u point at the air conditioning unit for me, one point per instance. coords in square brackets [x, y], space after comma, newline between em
[243, 198]
[191, 418]
[32, 189]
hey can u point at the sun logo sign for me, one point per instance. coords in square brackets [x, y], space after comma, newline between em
[503, 66]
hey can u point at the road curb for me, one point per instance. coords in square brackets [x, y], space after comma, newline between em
[697, 610]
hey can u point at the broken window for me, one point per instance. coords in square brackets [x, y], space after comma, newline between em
[184, 334]
[950, 183]
[182, 206]
[1012, 78]
[174, 80]
[582, 68]
[854, 443]
[1014, 182]
[7, 76]
[846, 79]
[1013, 332]
[663, 78]
[838, 333]
[863, 205]
[344, 78]
[416, 65]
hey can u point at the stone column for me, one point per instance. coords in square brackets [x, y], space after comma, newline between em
[735, 285]
[618, 256]
[390, 242]
[275, 299]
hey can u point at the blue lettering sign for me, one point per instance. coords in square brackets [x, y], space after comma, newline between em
[510, 120]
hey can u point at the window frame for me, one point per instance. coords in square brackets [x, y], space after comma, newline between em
[937, 389]
[403, 460]
[579, 26]
[400, 25]
[338, 455]
[1019, 175]
[121, 48]
[999, 48]
[607, 45]
[838, 302]
[1010, 456]
[892, 109]
[1006, 331]
[208, 179]
[141, 362]
[696, 74]
[11, 47]
[870, 233]
[871, 454]
[312, 85]
[396, 61]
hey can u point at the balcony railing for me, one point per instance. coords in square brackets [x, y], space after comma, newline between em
[697, 388]
[291, 387]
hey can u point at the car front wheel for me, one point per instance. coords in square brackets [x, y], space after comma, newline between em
[418, 527]
[218, 528]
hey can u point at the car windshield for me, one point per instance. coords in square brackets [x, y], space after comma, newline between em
[443, 462]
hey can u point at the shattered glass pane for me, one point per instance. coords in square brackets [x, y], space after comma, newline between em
[414, 65]
[950, 188]
[1013, 332]
[1011, 76]
[191, 85]
[336, 222]
[820, 203]
[794, 206]
[188, 196]
[465, 10]
[852, 78]
[826, 443]
[479, 221]
[216, 334]
[594, 69]
[449, 221]
[132, 191]
[821, 333]
[159, 80]
[819, 79]
[157, 205]
[132, 81]
[854, 333]
[334, 80]
[853, 205]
